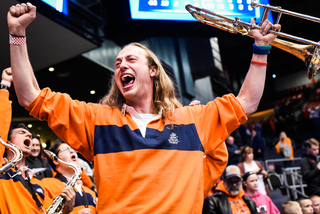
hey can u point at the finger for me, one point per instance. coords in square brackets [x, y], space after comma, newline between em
[67, 193]
[253, 20]
[265, 27]
[276, 27]
[12, 11]
[23, 8]
[32, 10]
[8, 71]
[18, 10]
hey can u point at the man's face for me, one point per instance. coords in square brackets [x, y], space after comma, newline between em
[233, 185]
[306, 206]
[67, 154]
[35, 147]
[22, 139]
[316, 205]
[230, 141]
[132, 75]
[313, 150]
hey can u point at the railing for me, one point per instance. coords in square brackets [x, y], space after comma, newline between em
[291, 177]
[296, 182]
[279, 160]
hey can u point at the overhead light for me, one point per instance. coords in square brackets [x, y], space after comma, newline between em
[51, 69]
[29, 126]
[92, 92]
[44, 145]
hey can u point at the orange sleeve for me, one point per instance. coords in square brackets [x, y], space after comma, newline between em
[214, 164]
[217, 120]
[62, 113]
[5, 118]
[86, 179]
[278, 147]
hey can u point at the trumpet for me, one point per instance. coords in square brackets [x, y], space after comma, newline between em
[8, 164]
[310, 53]
[58, 203]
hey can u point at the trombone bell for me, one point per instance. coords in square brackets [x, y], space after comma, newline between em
[314, 63]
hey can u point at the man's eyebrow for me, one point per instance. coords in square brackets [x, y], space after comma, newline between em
[127, 56]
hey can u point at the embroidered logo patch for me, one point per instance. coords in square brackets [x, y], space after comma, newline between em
[173, 139]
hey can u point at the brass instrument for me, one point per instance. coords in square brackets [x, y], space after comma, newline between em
[58, 203]
[310, 53]
[8, 164]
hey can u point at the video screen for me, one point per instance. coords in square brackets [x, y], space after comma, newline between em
[59, 5]
[174, 10]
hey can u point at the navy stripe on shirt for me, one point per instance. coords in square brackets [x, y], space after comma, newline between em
[112, 139]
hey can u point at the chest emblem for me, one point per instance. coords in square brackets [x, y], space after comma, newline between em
[173, 139]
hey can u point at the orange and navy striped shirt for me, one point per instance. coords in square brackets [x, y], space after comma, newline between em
[164, 171]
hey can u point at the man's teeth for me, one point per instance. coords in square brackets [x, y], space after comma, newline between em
[123, 78]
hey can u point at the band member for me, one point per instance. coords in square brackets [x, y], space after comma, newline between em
[85, 201]
[21, 193]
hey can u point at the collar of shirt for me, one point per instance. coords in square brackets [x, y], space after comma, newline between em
[141, 123]
[126, 108]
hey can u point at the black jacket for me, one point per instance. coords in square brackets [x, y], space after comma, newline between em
[219, 203]
[311, 174]
[39, 163]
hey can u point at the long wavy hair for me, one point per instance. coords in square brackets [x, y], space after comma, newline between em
[163, 89]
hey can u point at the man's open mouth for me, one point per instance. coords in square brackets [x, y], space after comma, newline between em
[27, 142]
[74, 157]
[127, 79]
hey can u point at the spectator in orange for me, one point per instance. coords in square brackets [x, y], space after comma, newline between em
[282, 149]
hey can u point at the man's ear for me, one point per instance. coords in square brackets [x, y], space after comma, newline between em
[55, 162]
[153, 71]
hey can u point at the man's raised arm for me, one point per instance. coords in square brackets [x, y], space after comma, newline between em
[253, 85]
[25, 83]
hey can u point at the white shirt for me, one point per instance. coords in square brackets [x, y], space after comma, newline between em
[141, 120]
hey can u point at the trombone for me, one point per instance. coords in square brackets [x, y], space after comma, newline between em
[310, 53]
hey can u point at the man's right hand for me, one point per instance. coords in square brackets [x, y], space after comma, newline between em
[19, 17]
[7, 75]
[69, 196]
